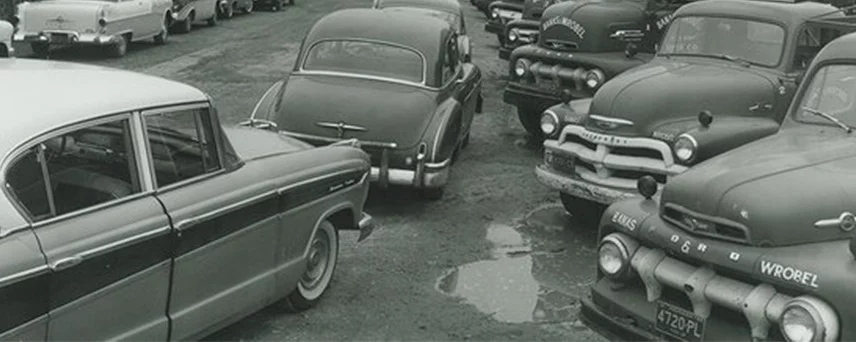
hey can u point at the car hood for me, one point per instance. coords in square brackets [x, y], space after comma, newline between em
[533, 9]
[586, 25]
[254, 143]
[663, 91]
[60, 15]
[386, 112]
[777, 187]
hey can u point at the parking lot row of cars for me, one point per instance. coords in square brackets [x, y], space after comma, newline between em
[711, 143]
[145, 218]
[113, 25]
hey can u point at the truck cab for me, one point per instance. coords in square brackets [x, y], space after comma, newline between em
[580, 45]
[524, 31]
[500, 13]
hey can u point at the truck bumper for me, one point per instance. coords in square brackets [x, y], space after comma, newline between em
[516, 94]
[493, 26]
[577, 187]
[65, 38]
[505, 52]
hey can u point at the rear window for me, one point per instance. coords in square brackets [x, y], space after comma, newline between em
[365, 58]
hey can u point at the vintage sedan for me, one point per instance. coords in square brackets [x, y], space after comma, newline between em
[228, 8]
[391, 79]
[273, 5]
[449, 10]
[142, 218]
[757, 244]
[6, 33]
[188, 12]
[109, 24]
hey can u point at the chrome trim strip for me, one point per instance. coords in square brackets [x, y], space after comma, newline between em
[183, 224]
[302, 72]
[144, 162]
[439, 165]
[612, 120]
[436, 144]
[4, 232]
[169, 109]
[315, 179]
[334, 140]
[16, 331]
[24, 274]
[259, 103]
[126, 241]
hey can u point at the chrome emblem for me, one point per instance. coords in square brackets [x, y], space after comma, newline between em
[694, 225]
[60, 21]
[846, 222]
[341, 127]
[607, 123]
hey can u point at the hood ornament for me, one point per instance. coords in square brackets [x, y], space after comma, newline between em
[608, 123]
[341, 127]
[846, 222]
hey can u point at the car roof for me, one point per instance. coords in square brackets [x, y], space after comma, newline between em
[840, 48]
[420, 32]
[44, 95]
[451, 6]
[790, 13]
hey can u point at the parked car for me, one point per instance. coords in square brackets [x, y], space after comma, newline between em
[391, 79]
[6, 33]
[188, 12]
[755, 244]
[580, 45]
[482, 5]
[228, 8]
[142, 218]
[500, 13]
[449, 10]
[524, 31]
[273, 5]
[738, 61]
[109, 24]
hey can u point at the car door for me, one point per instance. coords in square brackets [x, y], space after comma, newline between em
[226, 222]
[105, 237]
[135, 15]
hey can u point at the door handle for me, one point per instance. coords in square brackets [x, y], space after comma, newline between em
[64, 263]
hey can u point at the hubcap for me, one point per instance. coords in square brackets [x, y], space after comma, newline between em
[319, 256]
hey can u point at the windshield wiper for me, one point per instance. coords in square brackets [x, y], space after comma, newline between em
[732, 59]
[831, 118]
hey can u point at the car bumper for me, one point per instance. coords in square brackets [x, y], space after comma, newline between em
[366, 226]
[578, 187]
[494, 26]
[65, 38]
[516, 94]
[430, 176]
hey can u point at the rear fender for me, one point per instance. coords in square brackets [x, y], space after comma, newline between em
[266, 107]
[444, 134]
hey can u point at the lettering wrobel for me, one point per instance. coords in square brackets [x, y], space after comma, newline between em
[788, 273]
[572, 25]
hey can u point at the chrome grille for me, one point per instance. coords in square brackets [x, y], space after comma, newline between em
[704, 225]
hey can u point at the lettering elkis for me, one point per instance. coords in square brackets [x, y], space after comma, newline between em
[624, 220]
[569, 23]
[788, 274]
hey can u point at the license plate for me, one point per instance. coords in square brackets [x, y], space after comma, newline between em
[547, 84]
[679, 323]
[59, 38]
[560, 162]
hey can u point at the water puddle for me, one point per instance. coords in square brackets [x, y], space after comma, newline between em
[539, 269]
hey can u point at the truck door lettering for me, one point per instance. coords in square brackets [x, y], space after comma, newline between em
[624, 220]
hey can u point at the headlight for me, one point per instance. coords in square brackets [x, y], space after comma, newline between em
[685, 148]
[614, 255]
[521, 67]
[807, 319]
[549, 122]
[513, 35]
[595, 78]
[494, 13]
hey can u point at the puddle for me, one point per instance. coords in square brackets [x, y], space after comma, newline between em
[539, 269]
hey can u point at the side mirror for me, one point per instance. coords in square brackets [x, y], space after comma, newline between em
[631, 50]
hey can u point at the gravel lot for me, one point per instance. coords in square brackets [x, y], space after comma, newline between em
[496, 259]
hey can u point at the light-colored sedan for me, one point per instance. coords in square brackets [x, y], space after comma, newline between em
[188, 12]
[111, 24]
[6, 32]
[142, 218]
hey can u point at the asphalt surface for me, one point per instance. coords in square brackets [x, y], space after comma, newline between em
[496, 259]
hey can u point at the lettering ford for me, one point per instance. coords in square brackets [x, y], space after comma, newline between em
[788, 273]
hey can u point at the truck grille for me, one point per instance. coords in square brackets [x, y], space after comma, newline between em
[617, 161]
[553, 78]
[699, 224]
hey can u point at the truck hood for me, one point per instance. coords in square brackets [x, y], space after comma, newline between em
[78, 16]
[534, 9]
[777, 187]
[663, 91]
[387, 112]
[585, 25]
[254, 143]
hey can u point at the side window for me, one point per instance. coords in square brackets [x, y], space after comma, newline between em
[83, 168]
[182, 145]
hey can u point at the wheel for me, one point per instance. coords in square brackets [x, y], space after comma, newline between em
[187, 24]
[118, 49]
[432, 194]
[4, 51]
[40, 50]
[249, 8]
[586, 212]
[229, 12]
[277, 6]
[162, 37]
[530, 118]
[320, 265]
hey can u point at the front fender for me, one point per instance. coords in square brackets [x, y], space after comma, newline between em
[729, 133]
[571, 113]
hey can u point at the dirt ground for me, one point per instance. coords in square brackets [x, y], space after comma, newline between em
[496, 259]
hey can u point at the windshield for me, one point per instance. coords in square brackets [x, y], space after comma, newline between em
[831, 91]
[365, 58]
[755, 42]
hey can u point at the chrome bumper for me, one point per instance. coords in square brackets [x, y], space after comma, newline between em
[366, 226]
[578, 187]
[58, 37]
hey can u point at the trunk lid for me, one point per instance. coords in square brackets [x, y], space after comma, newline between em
[61, 15]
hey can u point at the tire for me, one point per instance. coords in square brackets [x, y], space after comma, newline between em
[530, 118]
[315, 282]
[432, 194]
[162, 37]
[586, 212]
[120, 48]
[40, 50]
[229, 12]
[249, 8]
[187, 24]
[4, 52]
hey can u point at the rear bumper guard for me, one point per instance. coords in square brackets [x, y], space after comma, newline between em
[60, 37]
